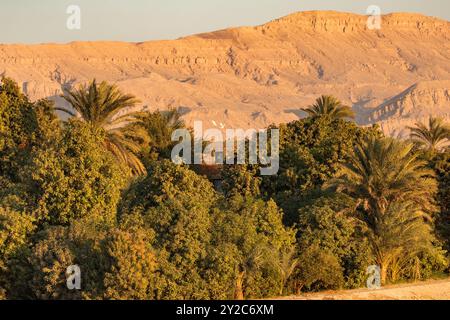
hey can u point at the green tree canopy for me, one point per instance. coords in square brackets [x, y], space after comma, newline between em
[176, 203]
[250, 252]
[441, 165]
[159, 126]
[75, 178]
[24, 126]
[328, 225]
[104, 106]
[395, 190]
[311, 151]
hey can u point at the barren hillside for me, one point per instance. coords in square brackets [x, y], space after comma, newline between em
[254, 76]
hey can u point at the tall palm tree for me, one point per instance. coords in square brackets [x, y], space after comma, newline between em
[329, 105]
[433, 137]
[401, 235]
[104, 106]
[285, 262]
[381, 174]
[159, 126]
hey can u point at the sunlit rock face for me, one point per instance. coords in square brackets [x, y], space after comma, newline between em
[254, 76]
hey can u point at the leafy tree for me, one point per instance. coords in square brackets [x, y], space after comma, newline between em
[115, 263]
[76, 178]
[319, 269]
[327, 224]
[329, 105]
[250, 249]
[41, 272]
[105, 106]
[15, 228]
[441, 165]
[132, 273]
[311, 151]
[24, 126]
[433, 137]
[49, 259]
[176, 203]
[394, 189]
[240, 179]
[42, 166]
[159, 127]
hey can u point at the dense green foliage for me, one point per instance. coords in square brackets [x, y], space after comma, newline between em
[176, 204]
[327, 225]
[441, 165]
[343, 199]
[311, 151]
[104, 106]
[395, 192]
[75, 178]
[250, 247]
[432, 137]
[159, 127]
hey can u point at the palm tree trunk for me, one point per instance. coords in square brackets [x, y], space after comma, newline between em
[298, 286]
[282, 284]
[383, 272]
[238, 290]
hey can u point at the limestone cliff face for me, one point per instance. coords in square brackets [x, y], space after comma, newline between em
[254, 76]
[414, 104]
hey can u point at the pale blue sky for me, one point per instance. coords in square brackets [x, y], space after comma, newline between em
[36, 21]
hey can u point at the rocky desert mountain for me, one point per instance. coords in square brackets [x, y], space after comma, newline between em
[255, 76]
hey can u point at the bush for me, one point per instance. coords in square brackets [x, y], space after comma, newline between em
[326, 224]
[115, 263]
[15, 229]
[318, 269]
[249, 235]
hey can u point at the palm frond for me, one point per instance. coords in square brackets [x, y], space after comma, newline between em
[435, 136]
[329, 105]
[69, 112]
[101, 106]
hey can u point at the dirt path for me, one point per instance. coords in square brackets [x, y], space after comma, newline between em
[429, 290]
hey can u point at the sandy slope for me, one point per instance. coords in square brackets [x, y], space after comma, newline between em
[429, 290]
[254, 76]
